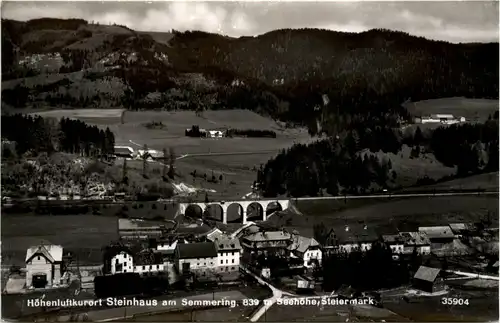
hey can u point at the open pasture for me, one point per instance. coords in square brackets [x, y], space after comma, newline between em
[471, 109]
[93, 116]
[74, 232]
[389, 215]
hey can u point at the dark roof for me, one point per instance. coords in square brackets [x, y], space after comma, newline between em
[122, 151]
[427, 273]
[113, 250]
[355, 234]
[196, 250]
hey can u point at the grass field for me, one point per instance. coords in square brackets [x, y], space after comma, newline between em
[471, 109]
[84, 234]
[389, 215]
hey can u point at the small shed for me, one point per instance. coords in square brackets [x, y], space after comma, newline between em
[428, 279]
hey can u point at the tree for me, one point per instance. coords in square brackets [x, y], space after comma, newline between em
[206, 197]
[171, 170]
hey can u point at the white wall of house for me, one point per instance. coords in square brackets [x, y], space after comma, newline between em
[122, 263]
[198, 263]
[41, 265]
[422, 250]
[397, 248]
[142, 269]
[228, 260]
[314, 254]
[166, 246]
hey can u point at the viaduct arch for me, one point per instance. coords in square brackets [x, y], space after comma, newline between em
[243, 205]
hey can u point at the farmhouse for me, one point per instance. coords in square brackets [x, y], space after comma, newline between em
[120, 259]
[307, 249]
[427, 279]
[199, 256]
[124, 151]
[216, 133]
[44, 266]
[416, 241]
[150, 153]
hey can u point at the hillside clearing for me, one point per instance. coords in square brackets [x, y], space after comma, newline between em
[471, 109]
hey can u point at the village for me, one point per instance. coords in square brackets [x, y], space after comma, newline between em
[191, 259]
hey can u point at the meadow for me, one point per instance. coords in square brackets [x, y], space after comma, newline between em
[82, 234]
[471, 109]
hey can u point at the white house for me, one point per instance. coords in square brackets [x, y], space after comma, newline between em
[43, 266]
[395, 241]
[308, 249]
[352, 238]
[122, 262]
[215, 133]
[418, 241]
[228, 254]
[199, 256]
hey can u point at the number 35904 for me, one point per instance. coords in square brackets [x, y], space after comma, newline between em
[454, 301]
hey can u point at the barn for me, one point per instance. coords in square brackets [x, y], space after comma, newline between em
[428, 279]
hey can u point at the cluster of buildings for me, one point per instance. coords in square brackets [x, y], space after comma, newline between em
[440, 118]
[215, 253]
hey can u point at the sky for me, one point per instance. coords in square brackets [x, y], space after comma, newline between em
[454, 21]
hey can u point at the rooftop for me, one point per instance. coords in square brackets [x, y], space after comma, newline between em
[196, 250]
[302, 244]
[52, 252]
[415, 238]
[393, 238]
[268, 236]
[427, 273]
[437, 232]
[225, 243]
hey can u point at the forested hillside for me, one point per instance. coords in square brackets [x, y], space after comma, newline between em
[284, 73]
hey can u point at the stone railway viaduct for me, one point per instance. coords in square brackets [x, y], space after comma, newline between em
[243, 206]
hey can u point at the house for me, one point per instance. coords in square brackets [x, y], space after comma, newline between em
[117, 260]
[124, 151]
[228, 254]
[148, 262]
[428, 279]
[438, 235]
[416, 241]
[121, 259]
[276, 242]
[216, 133]
[198, 256]
[44, 266]
[307, 249]
[395, 241]
[352, 238]
[150, 153]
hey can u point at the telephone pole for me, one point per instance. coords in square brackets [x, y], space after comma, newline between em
[145, 160]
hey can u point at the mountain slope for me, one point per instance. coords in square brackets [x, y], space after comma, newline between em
[282, 73]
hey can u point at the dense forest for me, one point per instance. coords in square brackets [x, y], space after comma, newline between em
[335, 166]
[36, 134]
[283, 73]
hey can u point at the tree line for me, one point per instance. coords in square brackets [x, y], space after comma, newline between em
[338, 165]
[37, 134]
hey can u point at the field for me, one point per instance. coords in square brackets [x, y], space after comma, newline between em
[201, 154]
[82, 234]
[487, 181]
[471, 109]
[389, 215]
